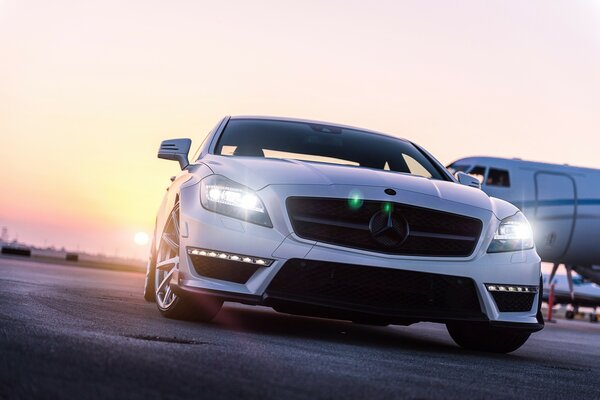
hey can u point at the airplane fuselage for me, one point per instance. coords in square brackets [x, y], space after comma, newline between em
[561, 202]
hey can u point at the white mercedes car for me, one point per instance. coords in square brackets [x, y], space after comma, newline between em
[331, 221]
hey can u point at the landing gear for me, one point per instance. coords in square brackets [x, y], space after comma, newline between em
[569, 278]
[570, 314]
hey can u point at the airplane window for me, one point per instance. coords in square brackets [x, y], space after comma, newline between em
[498, 177]
[478, 172]
[454, 168]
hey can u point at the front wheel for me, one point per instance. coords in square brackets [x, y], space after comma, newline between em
[482, 337]
[166, 263]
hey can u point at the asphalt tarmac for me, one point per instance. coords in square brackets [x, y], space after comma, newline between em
[72, 332]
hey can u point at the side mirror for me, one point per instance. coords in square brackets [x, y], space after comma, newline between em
[468, 180]
[175, 149]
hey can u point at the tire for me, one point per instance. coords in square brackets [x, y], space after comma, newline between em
[481, 337]
[593, 318]
[569, 314]
[149, 294]
[371, 321]
[166, 264]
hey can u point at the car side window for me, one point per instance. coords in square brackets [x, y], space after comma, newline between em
[498, 177]
[478, 172]
[196, 155]
[415, 167]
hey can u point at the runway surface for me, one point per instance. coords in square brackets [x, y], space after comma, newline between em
[72, 332]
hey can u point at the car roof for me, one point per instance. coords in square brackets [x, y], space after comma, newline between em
[310, 121]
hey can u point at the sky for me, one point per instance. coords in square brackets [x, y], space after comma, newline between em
[88, 89]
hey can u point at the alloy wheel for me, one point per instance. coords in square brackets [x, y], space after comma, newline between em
[167, 261]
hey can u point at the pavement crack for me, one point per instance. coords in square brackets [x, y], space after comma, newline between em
[567, 368]
[163, 339]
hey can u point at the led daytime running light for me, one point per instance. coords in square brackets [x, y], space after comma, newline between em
[265, 262]
[511, 288]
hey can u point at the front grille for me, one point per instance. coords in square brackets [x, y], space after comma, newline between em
[513, 302]
[226, 270]
[375, 290]
[430, 232]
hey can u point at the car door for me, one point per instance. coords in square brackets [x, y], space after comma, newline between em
[555, 210]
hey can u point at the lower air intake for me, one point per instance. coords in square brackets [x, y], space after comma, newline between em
[375, 290]
[225, 270]
[513, 302]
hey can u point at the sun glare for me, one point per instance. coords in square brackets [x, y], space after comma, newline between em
[141, 238]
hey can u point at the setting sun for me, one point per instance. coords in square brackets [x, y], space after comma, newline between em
[141, 238]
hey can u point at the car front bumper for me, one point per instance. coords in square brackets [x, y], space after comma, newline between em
[202, 229]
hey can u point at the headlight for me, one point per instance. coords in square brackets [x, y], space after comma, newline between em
[226, 197]
[513, 234]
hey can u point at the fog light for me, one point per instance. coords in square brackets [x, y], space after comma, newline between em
[511, 288]
[265, 262]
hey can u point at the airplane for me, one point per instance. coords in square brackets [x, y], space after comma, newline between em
[586, 294]
[561, 202]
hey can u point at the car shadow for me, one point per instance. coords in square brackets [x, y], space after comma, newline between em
[265, 321]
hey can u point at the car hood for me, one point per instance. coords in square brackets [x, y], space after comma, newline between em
[257, 173]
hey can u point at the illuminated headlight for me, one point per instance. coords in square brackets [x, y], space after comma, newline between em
[263, 262]
[513, 234]
[226, 197]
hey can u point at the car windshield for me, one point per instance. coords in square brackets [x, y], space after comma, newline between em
[316, 142]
